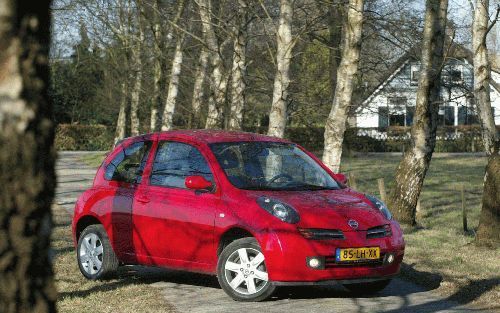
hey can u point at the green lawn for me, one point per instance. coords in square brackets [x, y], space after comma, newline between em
[438, 253]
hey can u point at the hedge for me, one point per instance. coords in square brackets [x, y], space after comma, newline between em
[84, 137]
[100, 137]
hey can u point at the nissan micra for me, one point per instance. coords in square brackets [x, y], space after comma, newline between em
[259, 212]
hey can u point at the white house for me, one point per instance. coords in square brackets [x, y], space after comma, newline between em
[392, 102]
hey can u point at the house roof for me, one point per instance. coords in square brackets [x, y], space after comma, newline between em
[454, 51]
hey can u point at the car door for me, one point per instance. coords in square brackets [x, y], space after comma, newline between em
[123, 174]
[174, 225]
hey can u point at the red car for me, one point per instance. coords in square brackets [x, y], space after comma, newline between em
[257, 211]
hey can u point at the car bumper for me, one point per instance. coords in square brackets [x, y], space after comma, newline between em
[287, 253]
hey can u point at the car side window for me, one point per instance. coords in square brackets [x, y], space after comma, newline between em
[174, 161]
[129, 163]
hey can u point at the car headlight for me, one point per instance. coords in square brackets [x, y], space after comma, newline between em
[279, 209]
[381, 206]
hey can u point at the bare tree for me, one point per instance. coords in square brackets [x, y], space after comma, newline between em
[199, 79]
[173, 86]
[285, 43]
[136, 73]
[238, 71]
[489, 221]
[121, 126]
[337, 119]
[218, 79]
[410, 173]
[158, 47]
[26, 158]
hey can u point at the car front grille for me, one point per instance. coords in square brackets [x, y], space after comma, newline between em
[330, 262]
[321, 234]
[379, 232]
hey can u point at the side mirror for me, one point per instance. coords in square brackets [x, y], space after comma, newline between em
[197, 182]
[341, 178]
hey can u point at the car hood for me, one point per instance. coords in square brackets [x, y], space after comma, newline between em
[331, 209]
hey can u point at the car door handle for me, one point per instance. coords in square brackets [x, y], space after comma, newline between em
[143, 199]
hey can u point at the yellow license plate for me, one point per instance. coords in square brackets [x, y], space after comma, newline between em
[356, 254]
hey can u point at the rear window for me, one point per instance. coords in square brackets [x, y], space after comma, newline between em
[128, 165]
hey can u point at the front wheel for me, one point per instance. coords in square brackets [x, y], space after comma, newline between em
[242, 272]
[95, 256]
[367, 288]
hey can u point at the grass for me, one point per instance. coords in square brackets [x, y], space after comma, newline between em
[93, 159]
[130, 292]
[439, 255]
[438, 252]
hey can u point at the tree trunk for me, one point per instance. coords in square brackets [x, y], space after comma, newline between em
[173, 87]
[135, 95]
[411, 171]
[278, 113]
[489, 223]
[238, 71]
[218, 81]
[337, 119]
[26, 158]
[335, 19]
[488, 232]
[157, 68]
[122, 115]
[482, 74]
[200, 76]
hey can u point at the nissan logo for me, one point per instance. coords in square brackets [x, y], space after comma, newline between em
[353, 224]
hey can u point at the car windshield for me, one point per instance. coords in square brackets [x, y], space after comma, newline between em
[261, 165]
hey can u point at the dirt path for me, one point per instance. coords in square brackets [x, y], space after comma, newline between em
[200, 293]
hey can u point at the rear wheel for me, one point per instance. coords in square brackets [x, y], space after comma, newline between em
[368, 288]
[96, 258]
[242, 272]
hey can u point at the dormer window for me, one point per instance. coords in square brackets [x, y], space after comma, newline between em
[456, 74]
[414, 74]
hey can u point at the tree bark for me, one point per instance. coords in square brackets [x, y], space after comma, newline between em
[335, 19]
[337, 119]
[137, 73]
[411, 171]
[482, 76]
[122, 115]
[158, 48]
[26, 158]
[173, 87]
[238, 71]
[200, 77]
[489, 222]
[278, 113]
[218, 81]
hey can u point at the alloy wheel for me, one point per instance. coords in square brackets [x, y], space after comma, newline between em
[245, 271]
[91, 254]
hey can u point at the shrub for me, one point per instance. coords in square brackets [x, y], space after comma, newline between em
[83, 137]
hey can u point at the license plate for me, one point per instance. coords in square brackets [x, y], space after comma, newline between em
[356, 254]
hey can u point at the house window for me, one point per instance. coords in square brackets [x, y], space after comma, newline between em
[446, 115]
[383, 117]
[410, 112]
[414, 74]
[467, 116]
[397, 110]
[455, 74]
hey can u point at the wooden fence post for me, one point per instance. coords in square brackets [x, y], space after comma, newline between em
[381, 189]
[352, 181]
[464, 211]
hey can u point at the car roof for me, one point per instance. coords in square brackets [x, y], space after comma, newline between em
[209, 136]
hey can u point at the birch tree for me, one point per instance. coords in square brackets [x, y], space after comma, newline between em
[337, 119]
[410, 173]
[199, 80]
[218, 79]
[158, 47]
[285, 43]
[173, 86]
[136, 74]
[121, 126]
[489, 221]
[238, 71]
[26, 158]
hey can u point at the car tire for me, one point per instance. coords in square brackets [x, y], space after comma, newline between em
[367, 288]
[242, 272]
[95, 256]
